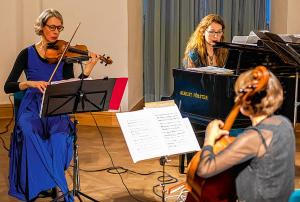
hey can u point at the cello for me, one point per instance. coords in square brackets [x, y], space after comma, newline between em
[221, 187]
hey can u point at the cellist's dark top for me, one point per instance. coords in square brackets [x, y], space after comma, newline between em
[267, 153]
[21, 64]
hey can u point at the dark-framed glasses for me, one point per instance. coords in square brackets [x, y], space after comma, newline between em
[213, 32]
[54, 27]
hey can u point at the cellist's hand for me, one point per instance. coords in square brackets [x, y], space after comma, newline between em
[214, 131]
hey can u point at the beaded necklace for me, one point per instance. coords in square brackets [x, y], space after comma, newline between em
[210, 60]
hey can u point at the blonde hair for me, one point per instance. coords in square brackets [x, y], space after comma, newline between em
[43, 18]
[265, 102]
[197, 40]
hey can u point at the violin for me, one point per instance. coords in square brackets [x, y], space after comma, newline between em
[222, 186]
[55, 50]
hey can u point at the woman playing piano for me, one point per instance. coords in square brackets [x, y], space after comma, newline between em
[265, 151]
[199, 51]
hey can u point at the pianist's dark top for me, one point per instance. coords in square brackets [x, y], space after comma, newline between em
[195, 58]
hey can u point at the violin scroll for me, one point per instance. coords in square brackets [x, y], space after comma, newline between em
[106, 60]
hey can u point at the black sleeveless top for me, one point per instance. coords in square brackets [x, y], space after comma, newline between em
[265, 157]
[270, 177]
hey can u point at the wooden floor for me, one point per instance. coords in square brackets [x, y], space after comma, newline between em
[100, 151]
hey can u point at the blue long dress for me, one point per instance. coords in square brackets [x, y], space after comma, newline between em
[41, 148]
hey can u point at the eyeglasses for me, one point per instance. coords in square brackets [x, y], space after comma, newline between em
[213, 33]
[54, 27]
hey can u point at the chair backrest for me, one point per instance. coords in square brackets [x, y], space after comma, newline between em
[295, 196]
[18, 96]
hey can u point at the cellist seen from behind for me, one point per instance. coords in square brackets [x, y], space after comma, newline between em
[264, 151]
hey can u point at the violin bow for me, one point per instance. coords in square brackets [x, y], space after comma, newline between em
[63, 54]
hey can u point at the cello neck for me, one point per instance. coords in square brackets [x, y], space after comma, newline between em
[232, 116]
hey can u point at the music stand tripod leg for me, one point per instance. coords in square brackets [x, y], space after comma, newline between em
[79, 91]
[76, 179]
[162, 162]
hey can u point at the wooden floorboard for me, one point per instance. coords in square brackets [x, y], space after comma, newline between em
[102, 185]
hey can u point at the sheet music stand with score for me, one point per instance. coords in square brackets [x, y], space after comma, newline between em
[157, 131]
[76, 97]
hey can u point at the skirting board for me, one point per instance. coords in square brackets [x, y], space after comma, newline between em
[6, 111]
[104, 119]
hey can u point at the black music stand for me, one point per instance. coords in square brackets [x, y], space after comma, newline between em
[76, 97]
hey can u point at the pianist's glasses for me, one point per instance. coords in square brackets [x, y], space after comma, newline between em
[213, 33]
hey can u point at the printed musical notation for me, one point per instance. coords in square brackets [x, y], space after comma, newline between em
[157, 132]
[212, 70]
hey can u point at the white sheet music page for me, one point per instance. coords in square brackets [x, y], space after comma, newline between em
[156, 132]
[142, 135]
[69, 80]
[177, 132]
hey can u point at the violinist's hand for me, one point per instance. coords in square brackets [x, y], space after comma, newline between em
[41, 85]
[94, 58]
[214, 132]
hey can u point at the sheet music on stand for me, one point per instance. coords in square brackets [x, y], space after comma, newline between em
[283, 49]
[212, 70]
[69, 80]
[157, 132]
[250, 40]
[77, 96]
[87, 95]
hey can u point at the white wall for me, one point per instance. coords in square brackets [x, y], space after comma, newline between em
[11, 39]
[105, 29]
[135, 51]
[293, 18]
[285, 16]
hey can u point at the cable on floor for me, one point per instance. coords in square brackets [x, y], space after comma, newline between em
[169, 179]
[112, 162]
[120, 170]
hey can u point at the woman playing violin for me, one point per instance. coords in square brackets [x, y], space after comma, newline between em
[264, 151]
[41, 148]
